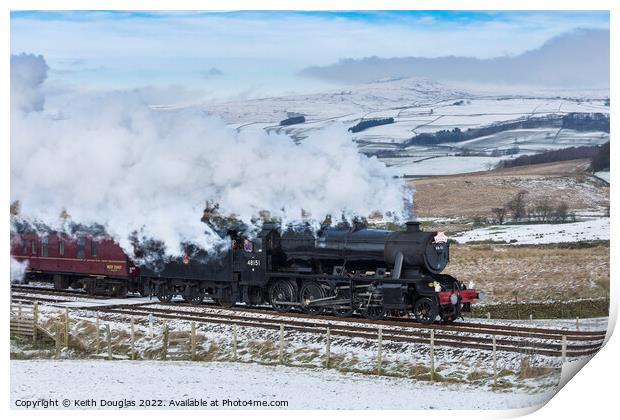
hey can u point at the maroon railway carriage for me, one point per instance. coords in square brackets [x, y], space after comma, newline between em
[97, 264]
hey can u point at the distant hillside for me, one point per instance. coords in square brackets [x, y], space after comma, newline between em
[570, 153]
[579, 58]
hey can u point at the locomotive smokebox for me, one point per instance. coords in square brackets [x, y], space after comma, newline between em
[365, 249]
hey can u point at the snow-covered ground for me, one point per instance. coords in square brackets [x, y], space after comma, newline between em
[300, 388]
[448, 165]
[604, 175]
[595, 229]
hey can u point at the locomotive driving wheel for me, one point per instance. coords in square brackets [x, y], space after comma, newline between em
[310, 291]
[281, 294]
[425, 310]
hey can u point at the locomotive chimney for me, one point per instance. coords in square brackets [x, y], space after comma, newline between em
[413, 227]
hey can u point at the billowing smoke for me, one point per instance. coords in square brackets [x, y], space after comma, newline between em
[109, 158]
[28, 72]
[18, 270]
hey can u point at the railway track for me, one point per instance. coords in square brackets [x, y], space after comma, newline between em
[465, 327]
[576, 346]
[51, 291]
[511, 338]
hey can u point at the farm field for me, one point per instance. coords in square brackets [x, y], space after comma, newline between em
[533, 272]
[476, 194]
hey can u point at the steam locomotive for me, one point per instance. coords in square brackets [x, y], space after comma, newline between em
[341, 271]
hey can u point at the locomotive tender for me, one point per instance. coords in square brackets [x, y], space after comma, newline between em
[337, 270]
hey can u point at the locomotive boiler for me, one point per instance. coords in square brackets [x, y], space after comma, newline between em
[368, 249]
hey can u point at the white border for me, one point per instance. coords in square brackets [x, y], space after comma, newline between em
[592, 393]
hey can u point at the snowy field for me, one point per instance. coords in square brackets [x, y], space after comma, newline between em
[589, 230]
[448, 165]
[300, 388]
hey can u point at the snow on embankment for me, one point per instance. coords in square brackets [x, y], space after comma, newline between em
[589, 230]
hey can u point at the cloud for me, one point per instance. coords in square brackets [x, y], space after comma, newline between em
[265, 49]
[110, 158]
[579, 58]
[212, 72]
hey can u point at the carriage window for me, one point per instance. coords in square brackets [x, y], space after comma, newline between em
[93, 248]
[33, 246]
[24, 246]
[61, 248]
[44, 244]
[81, 245]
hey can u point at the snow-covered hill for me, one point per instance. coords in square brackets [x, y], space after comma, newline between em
[424, 106]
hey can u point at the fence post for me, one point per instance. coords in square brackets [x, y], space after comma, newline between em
[531, 318]
[281, 354]
[193, 340]
[19, 312]
[98, 341]
[328, 350]
[67, 327]
[165, 340]
[235, 342]
[379, 350]
[133, 339]
[488, 315]
[35, 321]
[57, 339]
[432, 355]
[494, 360]
[563, 349]
[151, 325]
[577, 323]
[109, 339]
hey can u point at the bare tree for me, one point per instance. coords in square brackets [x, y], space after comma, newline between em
[500, 214]
[64, 215]
[560, 213]
[543, 209]
[15, 207]
[517, 206]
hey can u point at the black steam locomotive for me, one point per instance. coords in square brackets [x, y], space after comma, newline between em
[337, 270]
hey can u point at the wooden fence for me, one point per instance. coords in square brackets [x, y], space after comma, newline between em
[178, 344]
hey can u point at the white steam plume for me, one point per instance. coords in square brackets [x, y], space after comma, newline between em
[109, 158]
[18, 270]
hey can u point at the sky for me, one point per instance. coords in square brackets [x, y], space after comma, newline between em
[260, 53]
